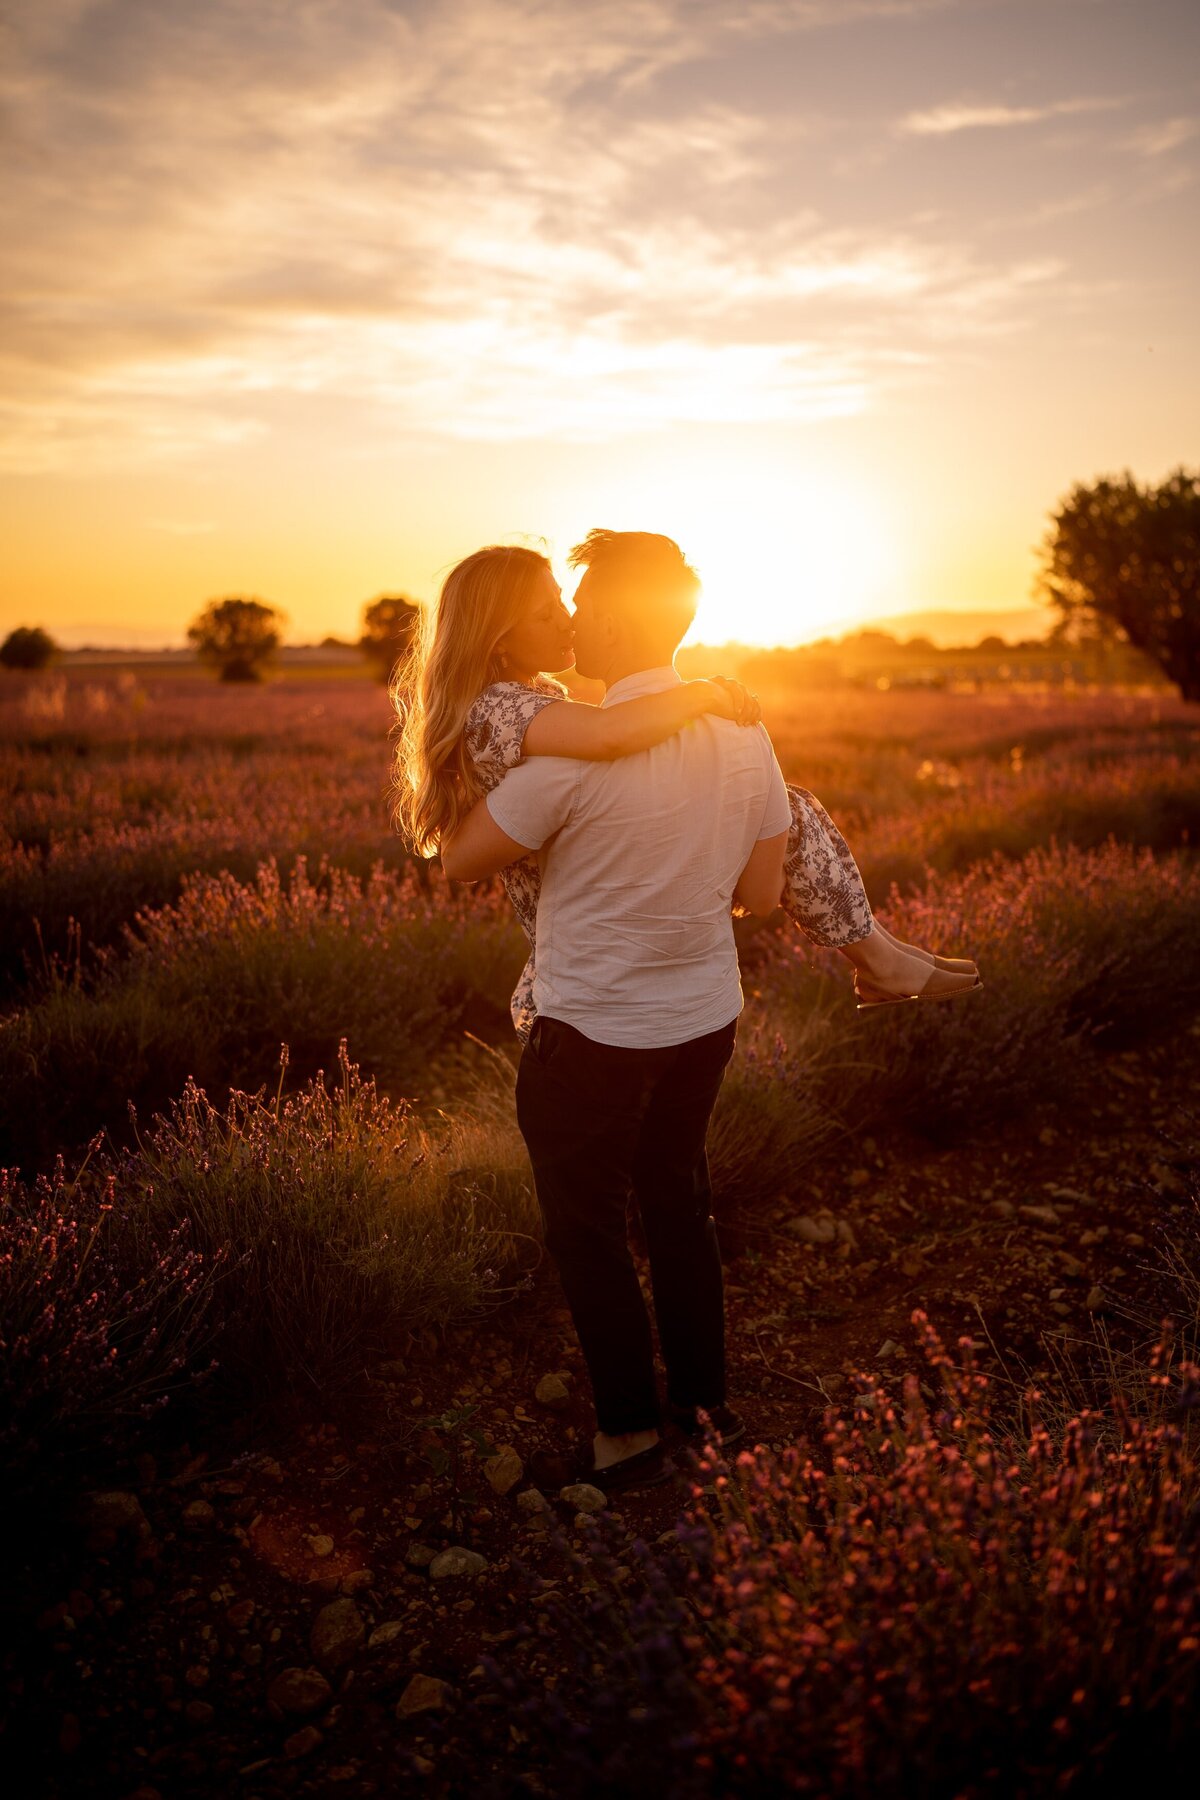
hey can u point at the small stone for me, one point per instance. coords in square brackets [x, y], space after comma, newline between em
[552, 1391]
[386, 1634]
[1096, 1299]
[198, 1712]
[1071, 1265]
[424, 1693]
[583, 1497]
[457, 1561]
[419, 1556]
[337, 1632]
[822, 1230]
[298, 1691]
[888, 1348]
[533, 1501]
[197, 1675]
[198, 1514]
[240, 1614]
[357, 1581]
[1040, 1215]
[845, 1233]
[252, 1655]
[504, 1470]
[859, 1178]
[116, 1511]
[320, 1544]
[1001, 1209]
[302, 1742]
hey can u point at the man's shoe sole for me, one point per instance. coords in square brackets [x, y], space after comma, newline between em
[646, 1469]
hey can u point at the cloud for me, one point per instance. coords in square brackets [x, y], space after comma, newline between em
[471, 219]
[1159, 139]
[940, 121]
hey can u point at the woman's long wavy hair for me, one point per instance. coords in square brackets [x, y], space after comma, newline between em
[453, 657]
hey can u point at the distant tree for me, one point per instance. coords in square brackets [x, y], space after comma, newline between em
[995, 646]
[28, 647]
[237, 637]
[1123, 561]
[388, 628]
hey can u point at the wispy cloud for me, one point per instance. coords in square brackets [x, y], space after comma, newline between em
[476, 219]
[957, 115]
[1159, 139]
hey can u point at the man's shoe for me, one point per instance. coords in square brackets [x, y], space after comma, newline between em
[645, 1469]
[727, 1426]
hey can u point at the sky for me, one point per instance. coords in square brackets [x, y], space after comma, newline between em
[306, 299]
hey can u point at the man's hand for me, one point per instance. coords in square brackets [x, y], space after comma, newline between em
[479, 847]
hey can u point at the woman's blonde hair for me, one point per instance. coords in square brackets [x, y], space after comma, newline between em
[454, 655]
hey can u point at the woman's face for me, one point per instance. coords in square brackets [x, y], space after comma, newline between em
[543, 637]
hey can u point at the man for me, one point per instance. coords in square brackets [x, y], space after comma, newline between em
[638, 994]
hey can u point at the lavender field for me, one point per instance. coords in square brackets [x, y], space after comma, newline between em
[267, 1216]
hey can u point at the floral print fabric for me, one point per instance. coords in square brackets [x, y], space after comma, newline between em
[823, 891]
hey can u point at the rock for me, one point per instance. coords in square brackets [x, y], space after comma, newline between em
[337, 1632]
[298, 1691]
[424, 1693]
[504, 1470]
[859, 1178]
[583, 1497]
[552, 1391]
[197, 1675]
[320, 1544]
[1097, 1299]
[302, 1742]
[386, 1634]
[1041, 1215]
[457, 1561]
[198, 1712]
[533, 1501]
[888, 1348]
[845, 1233]
[821, 1230]
[1071, 1265]
[115, 1511]
[240, 1614]
[419, 1556]
[1001, 1209]
[357, 1581]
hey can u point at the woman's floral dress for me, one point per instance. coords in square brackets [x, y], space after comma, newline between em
[823, 891]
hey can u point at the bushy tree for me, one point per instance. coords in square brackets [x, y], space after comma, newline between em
[28, 647]
[237, 637]
[389, 625]
[1121, 560]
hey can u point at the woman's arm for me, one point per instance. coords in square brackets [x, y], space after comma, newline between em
[601, 734]
[761, 881]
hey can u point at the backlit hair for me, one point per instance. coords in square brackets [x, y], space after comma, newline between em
[644, 578]
[453, 657]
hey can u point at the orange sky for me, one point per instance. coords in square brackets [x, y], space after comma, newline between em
[307, 301]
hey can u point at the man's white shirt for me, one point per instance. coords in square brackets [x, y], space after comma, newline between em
[639, 858]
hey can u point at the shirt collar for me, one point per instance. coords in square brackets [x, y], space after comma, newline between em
[644, 681]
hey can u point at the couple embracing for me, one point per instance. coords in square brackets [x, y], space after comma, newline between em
[626, 834]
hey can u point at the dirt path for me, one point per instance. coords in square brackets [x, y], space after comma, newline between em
[150, 1646]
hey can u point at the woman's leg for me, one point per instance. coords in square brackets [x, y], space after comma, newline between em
[823, 894]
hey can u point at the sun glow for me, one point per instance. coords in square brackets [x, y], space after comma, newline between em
[784, 558]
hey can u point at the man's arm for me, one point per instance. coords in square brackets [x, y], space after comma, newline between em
[519, 815]
[479, 847]
[761, 881]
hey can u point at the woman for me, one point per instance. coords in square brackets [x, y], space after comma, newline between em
[472, 701]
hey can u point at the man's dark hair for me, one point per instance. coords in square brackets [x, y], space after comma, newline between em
[645, 577]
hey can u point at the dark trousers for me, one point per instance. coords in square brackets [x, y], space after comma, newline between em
[601, 1121]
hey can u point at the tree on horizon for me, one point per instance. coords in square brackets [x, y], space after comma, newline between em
[236, 636]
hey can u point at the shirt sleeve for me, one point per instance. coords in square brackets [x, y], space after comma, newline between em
[777, 815]
[536, 799]
[497, 723]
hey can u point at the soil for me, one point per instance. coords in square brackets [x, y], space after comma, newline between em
[144, 1646]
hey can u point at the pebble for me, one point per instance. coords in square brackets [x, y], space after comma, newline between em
[198, 1514]
[552, 1391]
[357, 1581]
[821, 1230]
[385, 1634]
[302, 1742]
[320, 1544]
[298, 1691]
[198, 1712]
[115, 1511]
[1041, 1215]
[1096, 1299]
[533, 1501]
[419, 1556]
[583, 1497]
[337, 1632]
[1001, 1209]
[424, 1693]
[457, 1561]
[504, 1470]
